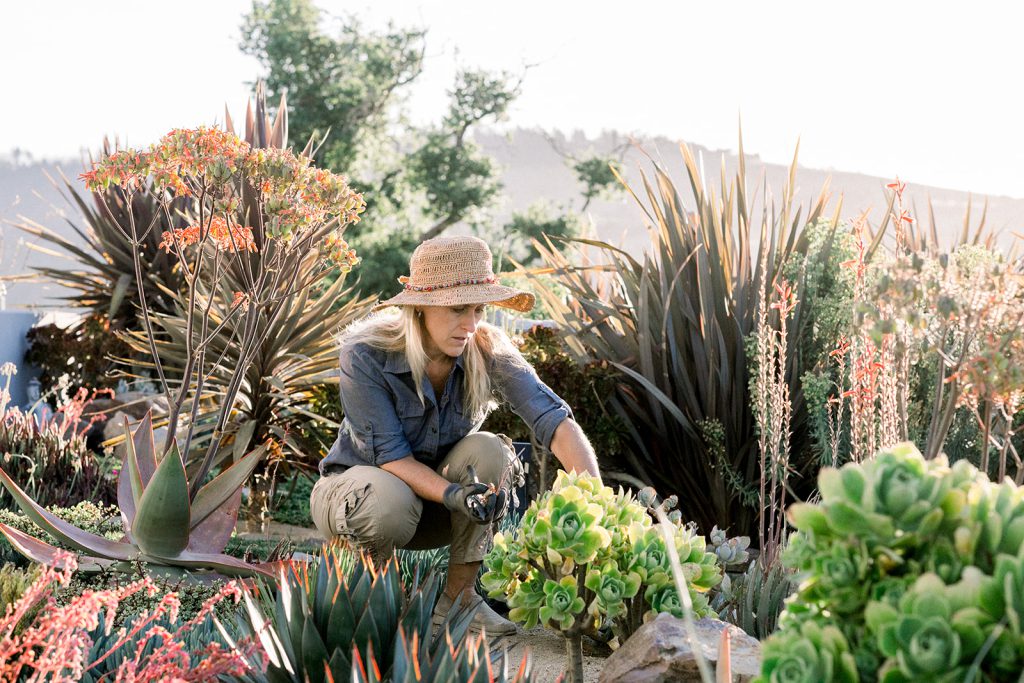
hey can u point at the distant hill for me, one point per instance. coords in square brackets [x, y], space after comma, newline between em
[533, 171]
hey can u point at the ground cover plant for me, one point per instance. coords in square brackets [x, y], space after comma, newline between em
[589, 561]
[910, 569]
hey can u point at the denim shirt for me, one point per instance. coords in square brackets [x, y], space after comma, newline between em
[385, 421]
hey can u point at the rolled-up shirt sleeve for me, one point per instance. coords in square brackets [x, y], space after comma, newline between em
[370, 415]
[532, 400]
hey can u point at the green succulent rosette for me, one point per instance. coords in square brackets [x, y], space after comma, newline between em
[700, 566]
[648, 556]
[505, 569]
[561, 603]
[569, 525]
[840, 578]
[936, 631]
[526, 601]
[811, 653]
[612, 588]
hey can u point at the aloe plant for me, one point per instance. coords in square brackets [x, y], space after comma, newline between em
[165, 526]
[345, 618]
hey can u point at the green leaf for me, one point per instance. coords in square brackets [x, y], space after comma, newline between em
[223, 486]
[161, 525]
[242, 438]
[65, 532]
[46, 554]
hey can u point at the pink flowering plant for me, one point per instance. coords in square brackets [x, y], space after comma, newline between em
[56, 642]
[263, 227]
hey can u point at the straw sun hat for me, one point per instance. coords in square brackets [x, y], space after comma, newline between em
[451, 271]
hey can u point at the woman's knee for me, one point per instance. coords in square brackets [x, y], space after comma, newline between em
[488, 453]
[368, 507]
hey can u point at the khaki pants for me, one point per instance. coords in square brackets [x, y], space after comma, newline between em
[376, 511]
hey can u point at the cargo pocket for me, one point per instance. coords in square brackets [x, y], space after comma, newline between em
[352, 517]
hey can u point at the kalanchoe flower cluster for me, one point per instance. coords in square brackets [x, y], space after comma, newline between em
[911, 569]
[339, 253]
[587, 560]
[212, 164]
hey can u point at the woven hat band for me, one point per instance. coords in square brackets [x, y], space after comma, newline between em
[446, 285]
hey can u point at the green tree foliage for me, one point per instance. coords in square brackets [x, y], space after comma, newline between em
[351, 82]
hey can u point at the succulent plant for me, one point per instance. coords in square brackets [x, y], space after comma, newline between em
[729, 550]
[813, 653]
[165, 527]
[588, 560]
[343, 616]
[917, 564]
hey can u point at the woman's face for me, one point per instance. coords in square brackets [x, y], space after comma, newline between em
[449, 328]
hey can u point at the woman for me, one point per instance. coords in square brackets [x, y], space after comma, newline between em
[409, 468]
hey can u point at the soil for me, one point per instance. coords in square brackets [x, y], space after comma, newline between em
[547, 650]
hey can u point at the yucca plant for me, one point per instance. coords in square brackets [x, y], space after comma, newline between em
[677, 324]
[345, 617]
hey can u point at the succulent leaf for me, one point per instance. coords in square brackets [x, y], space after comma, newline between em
[161, 526]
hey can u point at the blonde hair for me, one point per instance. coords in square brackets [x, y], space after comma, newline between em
[403, 332]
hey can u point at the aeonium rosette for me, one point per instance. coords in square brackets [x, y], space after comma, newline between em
[569, 527]
[588, 560]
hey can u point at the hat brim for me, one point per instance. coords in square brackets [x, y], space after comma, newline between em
[498, 295]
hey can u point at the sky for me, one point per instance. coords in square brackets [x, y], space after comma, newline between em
[929, 91]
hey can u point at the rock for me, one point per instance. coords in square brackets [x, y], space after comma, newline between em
[660, 652]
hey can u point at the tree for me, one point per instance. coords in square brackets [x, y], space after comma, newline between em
[418, 182]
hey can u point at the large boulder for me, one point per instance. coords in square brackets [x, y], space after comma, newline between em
[660, 652]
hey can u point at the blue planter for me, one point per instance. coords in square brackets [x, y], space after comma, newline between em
[14, 325]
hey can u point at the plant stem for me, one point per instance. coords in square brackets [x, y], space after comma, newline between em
[574, 652]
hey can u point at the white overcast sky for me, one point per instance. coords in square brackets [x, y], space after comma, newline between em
[927, 90]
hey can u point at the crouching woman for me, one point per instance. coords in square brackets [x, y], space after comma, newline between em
[409, 468]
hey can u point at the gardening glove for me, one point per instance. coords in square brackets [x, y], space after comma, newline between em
[476, 500]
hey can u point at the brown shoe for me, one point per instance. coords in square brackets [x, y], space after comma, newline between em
[485, 618]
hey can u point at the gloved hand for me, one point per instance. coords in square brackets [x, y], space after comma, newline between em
[476, 500]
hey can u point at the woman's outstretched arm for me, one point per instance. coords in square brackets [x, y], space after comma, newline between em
[572, 448]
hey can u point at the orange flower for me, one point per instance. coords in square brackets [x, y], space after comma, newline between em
[241, 299]
[898, 186]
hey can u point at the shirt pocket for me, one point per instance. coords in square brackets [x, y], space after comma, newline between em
[413, 416]
[462, 424]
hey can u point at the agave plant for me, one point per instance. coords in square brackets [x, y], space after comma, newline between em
[677, 324]
[166, 526]
[347, 617]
